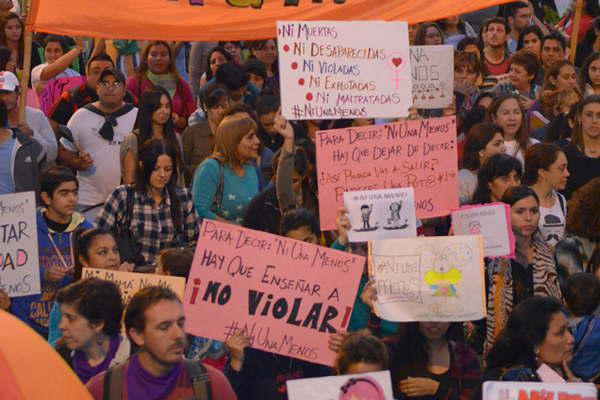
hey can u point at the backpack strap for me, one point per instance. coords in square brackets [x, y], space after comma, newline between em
[200, 380]
[218, 201]
[563, 206]
[113, 382]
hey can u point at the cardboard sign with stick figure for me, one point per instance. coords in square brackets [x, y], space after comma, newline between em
[381, 214]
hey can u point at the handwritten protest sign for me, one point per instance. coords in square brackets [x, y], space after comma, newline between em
[432, 72]
[332, 69]
[493, 390]
[132, 282]
[490, 220]
[428, 278]
[381, 214]
[372, 385]
[19, 266]
[288, 295]
[55, 88]
[420, 154]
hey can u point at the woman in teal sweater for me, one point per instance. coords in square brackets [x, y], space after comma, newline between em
[225, 183]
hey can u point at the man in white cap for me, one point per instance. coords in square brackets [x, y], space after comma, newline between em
[36, 124]
[98, 130]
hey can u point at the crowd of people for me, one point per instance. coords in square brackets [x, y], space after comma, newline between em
[158, 136]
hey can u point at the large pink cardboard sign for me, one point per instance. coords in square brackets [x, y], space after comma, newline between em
[418, 153]
[288, 295]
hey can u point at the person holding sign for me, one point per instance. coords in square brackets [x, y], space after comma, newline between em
[90, 326]
[56, 224]
[532, 272]
[546, 172]
[155, 211]
[426, 362]
[257, 374]
[92, 248]
[224, 184]
[483, 141]
[535, 336]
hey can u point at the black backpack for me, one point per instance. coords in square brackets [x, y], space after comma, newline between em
[113, 381]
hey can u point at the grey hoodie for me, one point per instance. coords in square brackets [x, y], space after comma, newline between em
[26, 161]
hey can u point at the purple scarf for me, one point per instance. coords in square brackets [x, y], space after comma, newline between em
[82, 367]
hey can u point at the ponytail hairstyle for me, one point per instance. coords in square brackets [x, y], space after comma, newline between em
[82, 240]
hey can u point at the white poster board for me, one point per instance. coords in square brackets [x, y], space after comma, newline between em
[381, 214]
[371, 386]
[490, 220]
[432, 72]
[334, 69]
[493, 390]
[428, 278]
[19, 265]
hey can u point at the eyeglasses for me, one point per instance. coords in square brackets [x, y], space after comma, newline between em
[113, 85]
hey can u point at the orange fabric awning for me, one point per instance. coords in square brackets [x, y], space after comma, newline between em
[30, 368]
[211, 20]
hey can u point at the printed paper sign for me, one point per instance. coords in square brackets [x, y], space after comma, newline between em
[420, 154]
[19, 265]
[333, 69]
[428, 278]
[368, 386]
[432, 71]
[490, 220]
[132, 282]
[381, 214]
[538, 390]
[288, 295]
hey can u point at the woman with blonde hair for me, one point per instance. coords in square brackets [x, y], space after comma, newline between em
[224, 183]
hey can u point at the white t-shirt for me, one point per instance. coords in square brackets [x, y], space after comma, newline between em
[42, 132]
[553, 220]
[512, 149]
[36, 73]
[98, 181]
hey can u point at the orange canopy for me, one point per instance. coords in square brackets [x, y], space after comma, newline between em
[30, 368]
[212, 20]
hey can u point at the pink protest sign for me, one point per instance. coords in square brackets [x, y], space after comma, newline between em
[55, 88]
[288, 295]
[419, 153]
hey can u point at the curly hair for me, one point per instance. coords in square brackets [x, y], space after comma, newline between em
[583, 218]
[97, 300]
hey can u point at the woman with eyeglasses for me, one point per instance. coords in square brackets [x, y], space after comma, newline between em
[198, 140]
[157, 68]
